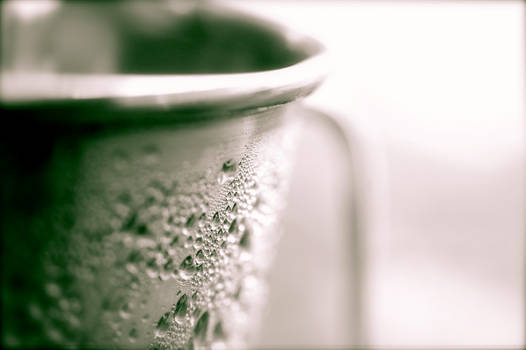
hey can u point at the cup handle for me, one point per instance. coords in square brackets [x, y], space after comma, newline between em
[366, 202]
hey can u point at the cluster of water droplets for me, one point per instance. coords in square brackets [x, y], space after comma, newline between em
[220, 278]
[181, 258]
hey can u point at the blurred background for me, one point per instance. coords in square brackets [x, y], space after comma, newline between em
[431, 97]
[432, 94]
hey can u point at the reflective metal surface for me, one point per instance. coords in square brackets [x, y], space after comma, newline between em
[144, 164]
[158, 54]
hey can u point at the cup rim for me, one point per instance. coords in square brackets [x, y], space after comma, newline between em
[176, 91]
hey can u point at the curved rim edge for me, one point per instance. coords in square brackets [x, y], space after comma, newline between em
[260, 88]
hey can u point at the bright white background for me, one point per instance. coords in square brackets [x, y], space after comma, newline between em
[435, 92]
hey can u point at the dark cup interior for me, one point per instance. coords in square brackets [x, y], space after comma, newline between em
[97, 37]
[201, 42]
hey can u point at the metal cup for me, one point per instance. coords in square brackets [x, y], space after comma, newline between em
[145, 155]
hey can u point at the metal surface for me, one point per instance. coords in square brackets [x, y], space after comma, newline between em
[134, 214]
[200, 57]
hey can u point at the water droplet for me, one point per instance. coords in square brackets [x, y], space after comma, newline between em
[189, 242]
[131, 268]
[54, 334]
[181, 309]
[190, 221]
[142, 229]
[229, 166]
[186, 269]
[169, 265]
[152, 273]
[237, 293]
[165, 276]
[216, 217]
[53, 290]
[106, 303]
[175, 241]
[124, 312]
[73, 321]
[125, 198]
[135, 256]
[129, 223]
[133, 335]
[199, 256]
[163, 324]
[245, 240]
[198, 244]
[118, 332]
[164, 184]
[153, 195]
[233, 226]
[219, 333]
[11, 340]
[64, 304]
[201, 328]
[35, 311]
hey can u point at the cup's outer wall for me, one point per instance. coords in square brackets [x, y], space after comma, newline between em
[138, 236]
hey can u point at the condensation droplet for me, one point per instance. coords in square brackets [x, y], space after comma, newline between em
[135, 256]
[53, 290]
[129, 223]
[219, 333]
[152, 273]
[190, 221]
[198, 244]
[175, 241]
[142, 229]
[244, 242]
[229, 165]
[131, 268]
[165, 276]
[186, 269]
[163, 325]
[125, 311]
[125, 198]
[35, 311]
[199, 256]
[233, 226]
[181, 308]
[201, 327]
[133, 335]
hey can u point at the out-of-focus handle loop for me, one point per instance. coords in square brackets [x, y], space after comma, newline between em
[366, 205]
